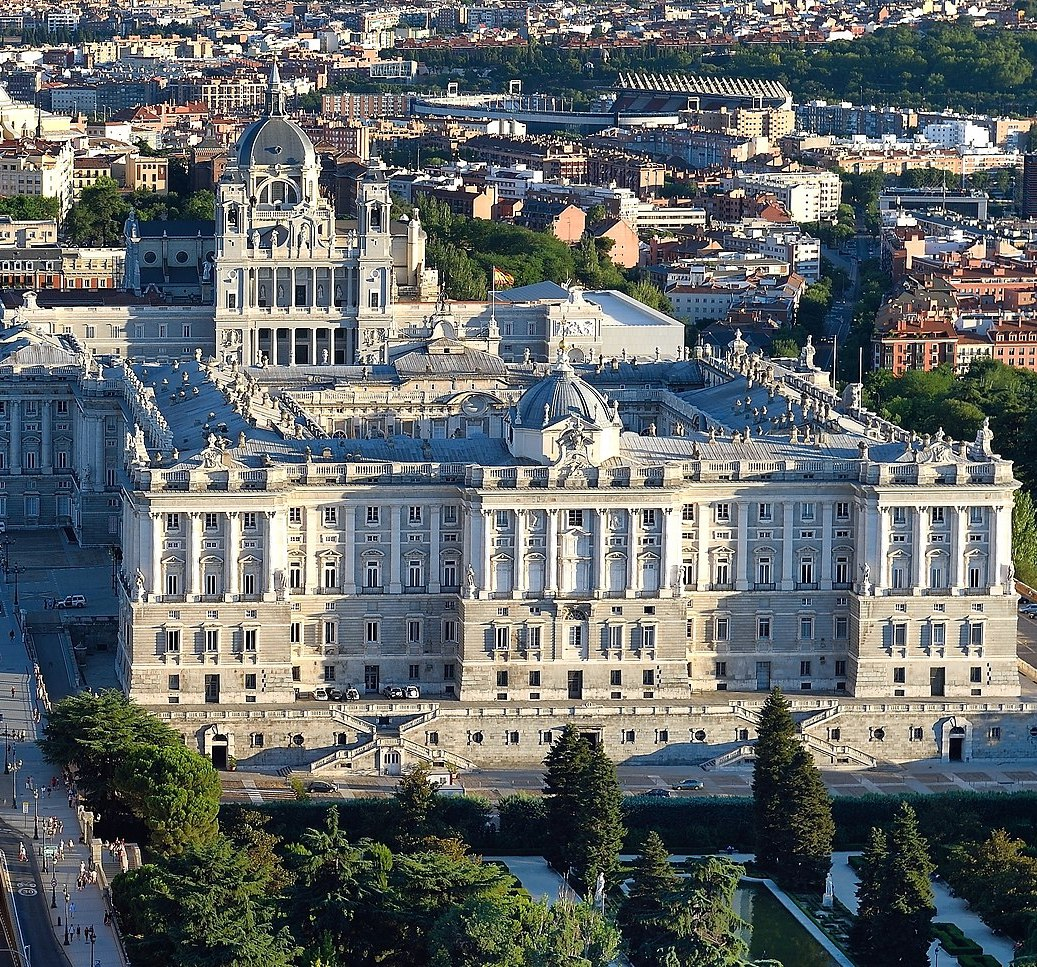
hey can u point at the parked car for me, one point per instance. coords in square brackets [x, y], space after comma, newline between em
[658, 793]
[319, 785]
[412, 691]
[688, 784]
[335, 694]
[352, 694]
[321, 694]
[454, 790]
[72, 601]
[392, 691]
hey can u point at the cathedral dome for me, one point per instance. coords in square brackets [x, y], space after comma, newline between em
[275, 139]
[560, 395]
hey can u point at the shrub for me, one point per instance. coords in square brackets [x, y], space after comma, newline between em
[954, 941]
[977, 960]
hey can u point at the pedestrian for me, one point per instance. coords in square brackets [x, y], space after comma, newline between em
[50, 789]
[13, 690]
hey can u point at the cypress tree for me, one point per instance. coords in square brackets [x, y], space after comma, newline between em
[809, 824]
[776, 746]
[563, 791]
[600, 833]
[895, 896]
[645, 912]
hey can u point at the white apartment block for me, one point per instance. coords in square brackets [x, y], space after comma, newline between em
[808, 196]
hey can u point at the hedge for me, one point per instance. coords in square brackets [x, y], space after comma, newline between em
[954, 941]
[691, 825]
[978, 960]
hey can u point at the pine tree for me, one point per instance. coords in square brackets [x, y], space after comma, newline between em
[600, 834]
[776, 746]
[895, 896]
[871, 897]
[809, 824]
[645, 912]
[566, 768]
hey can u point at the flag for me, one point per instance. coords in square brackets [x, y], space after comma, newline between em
[502, 279]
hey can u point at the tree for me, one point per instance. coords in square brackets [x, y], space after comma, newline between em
[415, 795]
[895, 896]
[481, 932]
[1024, 537]
[569, 934]
[775, 749]
[98, 217]
[809, 822]
[794, 827]
[599, 836]
[30, 207]
[566, 767]
[645, 912]
[95, 733]
[206, 908]
[175, 791]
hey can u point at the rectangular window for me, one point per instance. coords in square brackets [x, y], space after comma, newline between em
[413, 672]
[763, 628]
[720, 669]
[172, 522]
[250, 638]
[766, 513]
[688, 513]
[936, 515]
[295, 633]
[722, 513]
[842, 626]
[172, 639]
[806, 570]
[501, 520]
[842, 510]
[250, 681]
[939, 634]
[840, 668]
[648, 677]
[211, 522]
[414, 631]
[806, 628]
[900, 635]
[804, 669]
[899, 515]
[450, 514]
[807, 511]
[372, 632]
[450, 630]
[174, 683]
[842, 570]
[330, 516]
[533, 634]
[534, 679]
[648, 518]
[976, 516]
[575, 518]
[502, 678]
[720, 629]
[899, 675]
[648, 637]
[249, 520]
[975, 635]
[330, 632]
[502, 637]
[414, 514]
[616, 677]
[763, 571]
[294, 515]
[212, 639]
[576, 636]
[976, 674]
[615, 636]
[448, 673]
[373, 514]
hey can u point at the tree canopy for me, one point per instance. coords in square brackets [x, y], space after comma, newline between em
[30, 207]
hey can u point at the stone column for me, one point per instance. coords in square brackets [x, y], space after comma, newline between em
[348, 513]
[1000, 525]
[231, 555]
[268, 556]
[47, 447]
[826, 547]
[633, 554]
[920, 541]
[601, 531]
[192, 553]
[395, 582]
[702, 558]
[551, 577]
[958, 578]
[881, 575]
[742, 547]
[15, 409]
[485, 531]
[157, 540]
[434, 549]
[787, 577]
[518, 583]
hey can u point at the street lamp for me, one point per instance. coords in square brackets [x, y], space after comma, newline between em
[16, 764]
[16, 569]
[116, 553]
[35, 813]
[7, 752]
[53, 891]
[5, 545]
[67, 898]
[91, 935]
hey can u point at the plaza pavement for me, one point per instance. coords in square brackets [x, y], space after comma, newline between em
[19, 700]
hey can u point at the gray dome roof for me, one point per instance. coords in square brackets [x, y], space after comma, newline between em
[563, 394]
[275, 140]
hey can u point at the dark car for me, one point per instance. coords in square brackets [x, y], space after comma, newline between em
[659, 793]
[319, 785]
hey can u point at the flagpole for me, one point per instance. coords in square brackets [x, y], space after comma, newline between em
[493, 294]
